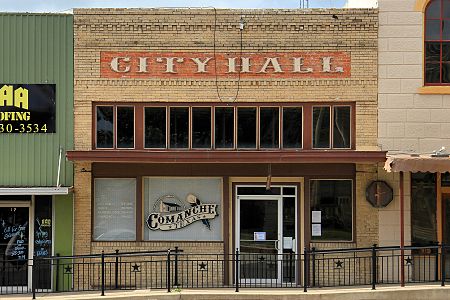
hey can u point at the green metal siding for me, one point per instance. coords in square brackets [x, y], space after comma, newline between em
[38, 48]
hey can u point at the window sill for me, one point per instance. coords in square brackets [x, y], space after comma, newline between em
[434, 90]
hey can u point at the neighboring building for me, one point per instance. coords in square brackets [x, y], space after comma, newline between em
[36, 128]
[274, 150]
[414, 120]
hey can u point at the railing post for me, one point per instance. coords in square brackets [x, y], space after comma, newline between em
[442, 264]
[116, 270]
[168, 271]
[236, 269]
[305, 269]
[103, 272]
[313, 258]
[176, 266]
[57, 272]
[374, 265]
[33, 277]
[436, 267]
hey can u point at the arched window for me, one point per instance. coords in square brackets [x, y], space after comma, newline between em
[437, 43]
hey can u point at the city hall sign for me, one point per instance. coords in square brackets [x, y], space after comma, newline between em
[225, 65]
[170, 213]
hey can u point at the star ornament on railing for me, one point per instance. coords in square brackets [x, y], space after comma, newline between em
[339, 264]
[202, 266]
[261, 258]
[68, 270]
[408, 261]
[136, 268]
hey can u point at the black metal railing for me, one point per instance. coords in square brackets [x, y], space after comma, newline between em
[173, 268]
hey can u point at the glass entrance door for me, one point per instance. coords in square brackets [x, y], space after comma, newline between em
[14, 243]
[259, 238]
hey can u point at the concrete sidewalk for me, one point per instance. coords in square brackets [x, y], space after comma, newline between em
[422, 292]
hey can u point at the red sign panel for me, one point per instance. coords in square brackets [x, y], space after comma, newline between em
[293, 65]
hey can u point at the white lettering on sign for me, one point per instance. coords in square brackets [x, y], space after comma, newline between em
[115, 62]
[201, 65]
[170, 63]
[158, 221]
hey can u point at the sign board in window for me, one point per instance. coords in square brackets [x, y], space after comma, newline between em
[27, 108]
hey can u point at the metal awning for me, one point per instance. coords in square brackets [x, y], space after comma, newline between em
[34, 191]
[417, 163]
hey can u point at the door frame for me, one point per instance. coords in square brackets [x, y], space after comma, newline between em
[278, 242]
[30, 206]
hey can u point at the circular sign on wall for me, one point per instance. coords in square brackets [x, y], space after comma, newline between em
[379, 193]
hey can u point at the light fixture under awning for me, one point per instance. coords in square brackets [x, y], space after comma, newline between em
[35, 191]
[417, 163]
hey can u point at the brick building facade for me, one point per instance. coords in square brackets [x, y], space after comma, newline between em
[310, 74]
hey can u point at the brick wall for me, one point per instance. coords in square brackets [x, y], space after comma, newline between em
[353, 31]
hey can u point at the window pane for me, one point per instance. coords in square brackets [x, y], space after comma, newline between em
[105, 125]
[179, 130]
[433, 52]
[445, 51]
[224, 127]
[433, 30]
[341, 130]
[292, 127]
[446, 9]
[446, 73]
[114, 210]
[423, 208]
[269, 127]
[333, 198]
[321, 127]
[125, 127]
[155, 127]
[432, 73]
[201, 127]
[247, 127]
[445, 179]
[446, 30]
[434, 9]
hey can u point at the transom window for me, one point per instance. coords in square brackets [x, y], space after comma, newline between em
[437, 43]
[222, 127]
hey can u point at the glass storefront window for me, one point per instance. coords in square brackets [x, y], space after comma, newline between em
[155, 127]
[105, 126]
[423, 209]
[341, 129]
[292, 127]
[224, 127]
[179, 127]
[172, 199]
[331, 209]
[114, 209]
[247, 128]
[125, 127]
[201, 127]
[269, 123]
[321, 127]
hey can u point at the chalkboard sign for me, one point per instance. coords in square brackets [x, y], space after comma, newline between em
[43, 227]
[14, 233]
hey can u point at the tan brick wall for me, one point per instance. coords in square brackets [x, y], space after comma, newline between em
[355, 32]
[159, 30]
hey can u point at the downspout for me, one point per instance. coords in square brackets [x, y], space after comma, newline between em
[402, 231]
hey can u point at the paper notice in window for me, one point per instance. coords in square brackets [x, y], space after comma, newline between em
[316, 230]
[259, 236]
[316, 216]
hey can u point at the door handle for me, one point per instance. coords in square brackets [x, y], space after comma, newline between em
[277, 245]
